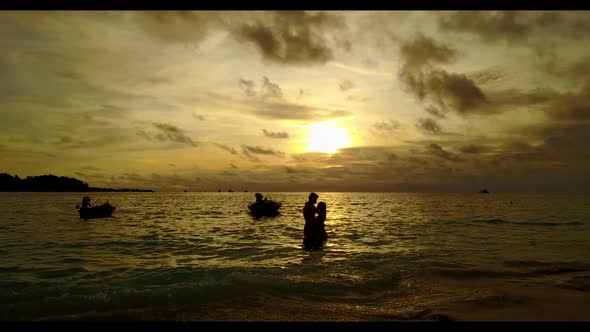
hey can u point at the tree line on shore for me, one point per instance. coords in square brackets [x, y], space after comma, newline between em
[52, 183]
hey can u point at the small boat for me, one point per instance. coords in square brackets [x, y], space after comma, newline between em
[100, 211]
[264, 207]
[484, 191]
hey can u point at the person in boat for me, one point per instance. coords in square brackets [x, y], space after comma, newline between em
[321, 235]
[258, 197]
[85, 203]
[309, 212]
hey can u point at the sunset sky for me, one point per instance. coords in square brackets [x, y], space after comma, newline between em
[298, 101]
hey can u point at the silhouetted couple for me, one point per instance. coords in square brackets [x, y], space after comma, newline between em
[314, 232]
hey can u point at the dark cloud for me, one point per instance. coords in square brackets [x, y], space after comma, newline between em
[487, 76]
[358, 99]
[132, 177]
[390, 156]
[248, 87]
[471, 149]
[429, 126]
[489, 26]
[572, 106]
[289, 111]
[517, 27]
[423, 50]
[346, 85]
[226, 148]
[447, 91]
[562, 106]
[345, 44]
[270, 89]
[280, 134]
[512, 97]
[260, 150]
[387, 127]
[437, 150]
[576, 71]
[250, 156]
[93, 175]
[435, 112]
[168, 132]
[176, 26]
[290, 37]
[198, 117]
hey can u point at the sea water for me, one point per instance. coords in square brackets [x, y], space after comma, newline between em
[201, 256]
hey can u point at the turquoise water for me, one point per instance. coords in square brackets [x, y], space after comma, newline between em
[201, 255]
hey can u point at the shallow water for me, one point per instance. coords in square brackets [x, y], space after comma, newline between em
[386, 252]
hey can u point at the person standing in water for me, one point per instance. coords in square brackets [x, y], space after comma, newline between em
[309, 212]
[320, 232]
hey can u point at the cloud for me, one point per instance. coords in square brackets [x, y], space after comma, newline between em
[226, 148]
[198, 116]
[176, 26]
[423, 50]
[447, 91]
[575, 71]
[487, 76]
[434, 111]
[572, 106]
[346, 85]
[489, 26]
[250, 156]
[390, 156]
[289, 111]
[167, 132]
[290, 170]
[270, 89]
[248, 87]
[66, 139]
[429, 126]
[262, 151]
[562, 106]
[290, 37]
[471, 149]
[437, 150]
[390, 126]
[281, 134]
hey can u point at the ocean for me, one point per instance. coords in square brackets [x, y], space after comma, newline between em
[389, 256]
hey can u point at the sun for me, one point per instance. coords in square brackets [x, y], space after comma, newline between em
[326, 138]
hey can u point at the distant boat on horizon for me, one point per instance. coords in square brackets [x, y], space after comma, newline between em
[484, 191]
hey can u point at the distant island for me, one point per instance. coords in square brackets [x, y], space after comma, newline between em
[52, 183]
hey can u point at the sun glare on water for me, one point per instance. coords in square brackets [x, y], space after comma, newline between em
[327, 138]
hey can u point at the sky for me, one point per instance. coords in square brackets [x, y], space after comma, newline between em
[298, 101]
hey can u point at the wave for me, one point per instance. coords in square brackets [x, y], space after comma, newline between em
[498, 221]
[581, 283]
[177, 286]
[515, 269]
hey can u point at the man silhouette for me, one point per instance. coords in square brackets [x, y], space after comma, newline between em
[309, 212]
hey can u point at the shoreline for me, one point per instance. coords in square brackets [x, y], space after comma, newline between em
[442, 300]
